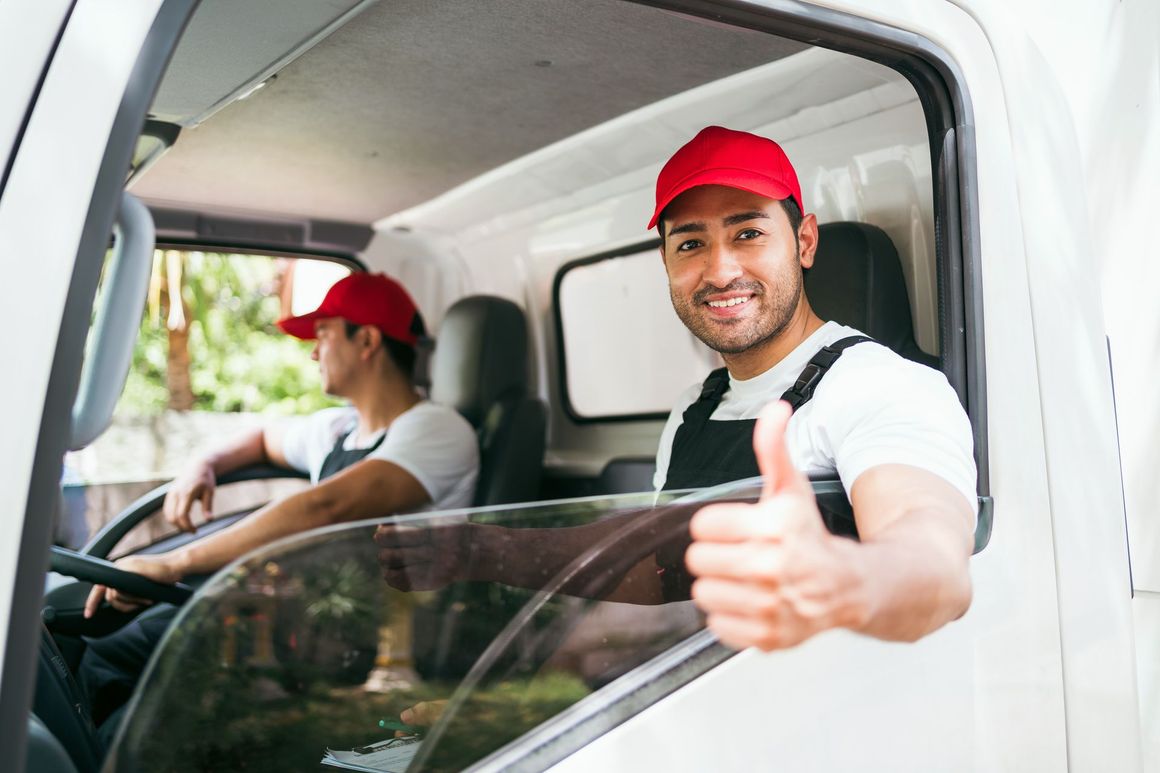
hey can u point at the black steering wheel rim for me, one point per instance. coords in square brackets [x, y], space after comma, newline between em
[99, 571]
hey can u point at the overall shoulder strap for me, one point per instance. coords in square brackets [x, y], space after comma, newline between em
[699, 411]
[801, 392]
[340, 442]
[715, 385]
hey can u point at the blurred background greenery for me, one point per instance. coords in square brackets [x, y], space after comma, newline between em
[208, 340]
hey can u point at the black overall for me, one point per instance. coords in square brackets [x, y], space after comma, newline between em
[708, 453]
[111, 666]
[339, 458]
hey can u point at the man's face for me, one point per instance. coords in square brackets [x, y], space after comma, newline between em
[336, 354]
[734, 266]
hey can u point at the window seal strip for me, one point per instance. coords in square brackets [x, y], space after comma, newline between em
[247, 250]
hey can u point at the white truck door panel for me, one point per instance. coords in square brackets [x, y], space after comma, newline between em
[43, 210]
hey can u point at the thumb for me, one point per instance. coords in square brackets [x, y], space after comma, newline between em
[773, 459]
[96, 595]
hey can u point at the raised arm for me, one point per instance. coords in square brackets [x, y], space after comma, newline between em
[771, 576]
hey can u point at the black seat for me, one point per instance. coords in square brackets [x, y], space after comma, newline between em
[627, 474]
[857, 280]
[480, 368]
[44, 752]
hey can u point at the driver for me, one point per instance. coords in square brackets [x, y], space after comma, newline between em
[389, 451]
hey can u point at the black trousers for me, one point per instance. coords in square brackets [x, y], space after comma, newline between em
[112, 665]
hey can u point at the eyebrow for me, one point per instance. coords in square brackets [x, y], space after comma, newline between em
[740, 217]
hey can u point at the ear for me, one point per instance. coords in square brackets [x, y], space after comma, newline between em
[808, 239]
[373, 340]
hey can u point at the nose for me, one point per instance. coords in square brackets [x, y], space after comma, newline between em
[314, 351]
[721, 265]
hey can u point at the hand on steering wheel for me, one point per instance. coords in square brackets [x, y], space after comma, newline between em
[131, 582]
[156, 568]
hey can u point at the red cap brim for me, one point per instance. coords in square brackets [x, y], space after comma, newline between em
[742, 179]
[303, 326]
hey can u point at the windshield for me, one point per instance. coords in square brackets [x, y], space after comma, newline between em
[474, 626]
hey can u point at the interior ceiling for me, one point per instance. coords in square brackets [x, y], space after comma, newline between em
[414, 97]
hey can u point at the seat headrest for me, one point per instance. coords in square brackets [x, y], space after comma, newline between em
[481, 356]
[857, 280]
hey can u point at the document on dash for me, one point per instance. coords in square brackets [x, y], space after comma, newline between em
[389, 756]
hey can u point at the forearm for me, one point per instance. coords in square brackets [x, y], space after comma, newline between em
[911, 579]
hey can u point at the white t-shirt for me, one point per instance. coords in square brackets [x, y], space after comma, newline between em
[432, 442]
[872, 407]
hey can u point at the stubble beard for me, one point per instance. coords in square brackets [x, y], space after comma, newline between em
[738, 336]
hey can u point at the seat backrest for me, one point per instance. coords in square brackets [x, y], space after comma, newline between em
[627, 474]
[857, 280]
[44, 752]
[480, 368]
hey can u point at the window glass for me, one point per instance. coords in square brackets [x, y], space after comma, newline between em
[209, 362]
[317, 646]
[625, 351]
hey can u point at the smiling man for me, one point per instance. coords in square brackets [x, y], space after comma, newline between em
[735, 244]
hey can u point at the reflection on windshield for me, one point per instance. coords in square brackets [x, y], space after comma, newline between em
[474, 631]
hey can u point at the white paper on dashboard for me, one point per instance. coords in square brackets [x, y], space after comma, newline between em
[389, 756]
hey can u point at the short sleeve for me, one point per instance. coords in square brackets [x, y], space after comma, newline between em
[438, 448]
[883, 409]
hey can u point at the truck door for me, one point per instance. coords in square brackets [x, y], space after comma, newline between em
[78, 78]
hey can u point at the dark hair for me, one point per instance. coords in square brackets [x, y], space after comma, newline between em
[794, 213]
[788, 205]
[402, 355]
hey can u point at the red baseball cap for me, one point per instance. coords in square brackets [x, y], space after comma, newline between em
[364, 299]
[720, 156]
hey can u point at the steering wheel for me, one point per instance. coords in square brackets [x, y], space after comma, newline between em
[115, 530]
[99, 571]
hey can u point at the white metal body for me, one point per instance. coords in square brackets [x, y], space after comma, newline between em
[1054, 667]
[43, 209]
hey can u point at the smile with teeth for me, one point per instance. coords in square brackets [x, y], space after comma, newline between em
[729, 302]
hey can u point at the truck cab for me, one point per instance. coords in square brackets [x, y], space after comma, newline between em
[979, 179]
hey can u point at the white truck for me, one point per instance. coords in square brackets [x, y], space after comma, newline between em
[1008, 154]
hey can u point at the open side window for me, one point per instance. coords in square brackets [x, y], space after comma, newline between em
[897, 254]
[208, 363]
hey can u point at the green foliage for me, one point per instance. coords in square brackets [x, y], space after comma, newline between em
[239, 360]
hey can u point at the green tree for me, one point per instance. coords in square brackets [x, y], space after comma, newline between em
[219, 348]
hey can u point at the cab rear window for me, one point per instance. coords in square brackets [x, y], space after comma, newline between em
[625, 353]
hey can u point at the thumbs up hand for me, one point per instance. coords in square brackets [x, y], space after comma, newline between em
[769, 574]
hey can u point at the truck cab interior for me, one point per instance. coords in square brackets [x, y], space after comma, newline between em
[497, 158]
